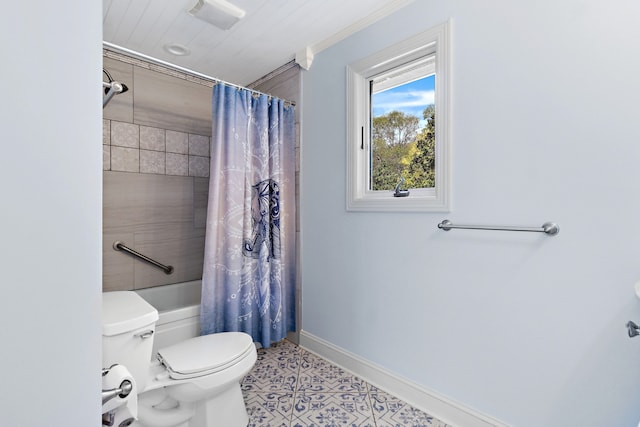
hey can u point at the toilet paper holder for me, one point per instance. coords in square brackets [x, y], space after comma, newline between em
[122, 391]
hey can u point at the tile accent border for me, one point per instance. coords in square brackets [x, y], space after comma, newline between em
[445, 409]
[129, 147]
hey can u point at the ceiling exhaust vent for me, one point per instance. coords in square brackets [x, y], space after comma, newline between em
[220, 13]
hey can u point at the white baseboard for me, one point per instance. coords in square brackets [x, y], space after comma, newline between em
[444, 409]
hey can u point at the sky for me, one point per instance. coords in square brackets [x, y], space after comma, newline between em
[410, 98]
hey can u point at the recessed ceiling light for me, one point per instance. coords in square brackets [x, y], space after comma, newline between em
[177, 49]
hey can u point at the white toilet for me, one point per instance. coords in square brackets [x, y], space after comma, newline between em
[193, 383]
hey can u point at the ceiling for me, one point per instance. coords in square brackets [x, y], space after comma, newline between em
[271, 34]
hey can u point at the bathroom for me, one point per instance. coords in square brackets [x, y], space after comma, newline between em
[528, 329]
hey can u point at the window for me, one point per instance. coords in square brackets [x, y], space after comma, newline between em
[398, 155]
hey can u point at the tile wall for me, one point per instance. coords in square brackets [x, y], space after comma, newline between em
[156, 139]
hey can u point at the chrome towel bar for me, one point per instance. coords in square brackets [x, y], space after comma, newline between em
[119, 246]
[550, 228]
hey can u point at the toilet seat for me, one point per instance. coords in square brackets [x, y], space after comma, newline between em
[205, 354]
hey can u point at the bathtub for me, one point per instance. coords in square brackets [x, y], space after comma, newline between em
[178, 308]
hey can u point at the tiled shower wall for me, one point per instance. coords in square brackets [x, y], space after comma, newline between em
[156, 139]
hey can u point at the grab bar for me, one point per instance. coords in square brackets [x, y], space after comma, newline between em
[120, 246]
[549, 228]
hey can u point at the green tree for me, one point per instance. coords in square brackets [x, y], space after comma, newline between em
[395, 128]
[421, 170]
[394, 137]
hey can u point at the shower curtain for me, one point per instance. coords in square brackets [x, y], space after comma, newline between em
[248, 280]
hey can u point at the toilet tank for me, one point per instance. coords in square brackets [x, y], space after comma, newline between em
[128, 327]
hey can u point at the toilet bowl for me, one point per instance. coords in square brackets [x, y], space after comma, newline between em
[193, 383]
[199, 381]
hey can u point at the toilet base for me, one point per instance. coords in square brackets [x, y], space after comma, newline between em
[226, 409]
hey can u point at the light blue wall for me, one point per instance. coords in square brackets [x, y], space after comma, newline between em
[50, 220]
[523, 327]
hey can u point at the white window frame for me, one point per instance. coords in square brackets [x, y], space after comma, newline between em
[435, 41]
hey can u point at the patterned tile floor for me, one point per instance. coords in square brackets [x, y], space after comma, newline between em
[291, 387]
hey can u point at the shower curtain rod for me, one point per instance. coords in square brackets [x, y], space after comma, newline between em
[138, 55]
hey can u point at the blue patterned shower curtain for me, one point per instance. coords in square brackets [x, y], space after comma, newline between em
[248, 280]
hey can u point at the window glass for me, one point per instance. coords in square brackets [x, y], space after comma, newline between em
[403, 135]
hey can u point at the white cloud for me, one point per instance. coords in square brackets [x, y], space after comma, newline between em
[410, 102]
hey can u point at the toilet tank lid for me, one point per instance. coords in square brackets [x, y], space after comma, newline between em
[125, 311]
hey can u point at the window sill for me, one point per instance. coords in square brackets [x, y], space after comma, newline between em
[419, 200]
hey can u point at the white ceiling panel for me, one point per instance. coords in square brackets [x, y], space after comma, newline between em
[269, 36]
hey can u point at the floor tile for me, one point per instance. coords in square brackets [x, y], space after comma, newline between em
[316, 374]
[276, 369]
[269, 409]
[390, 411]
[269, 377]
[332, 410]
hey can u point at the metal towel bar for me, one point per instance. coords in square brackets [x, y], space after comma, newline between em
[549, 228]
[118, 246]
